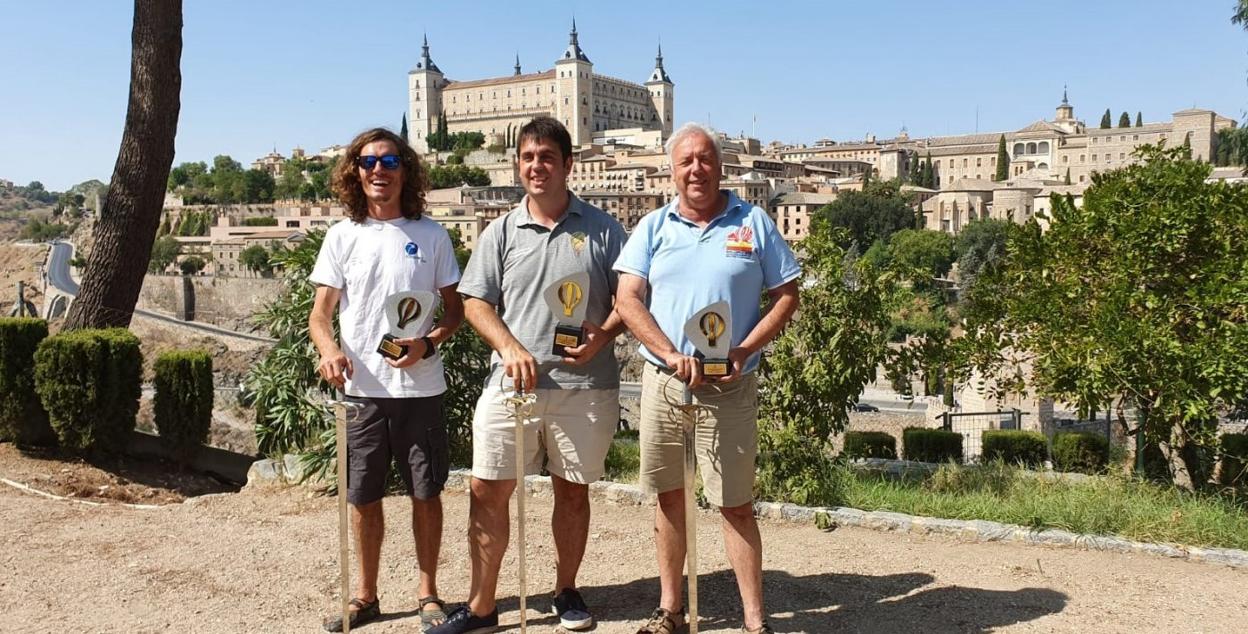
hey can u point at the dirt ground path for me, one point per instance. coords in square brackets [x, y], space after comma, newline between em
[264, 561]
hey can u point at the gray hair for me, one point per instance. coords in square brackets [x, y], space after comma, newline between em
[694, 128]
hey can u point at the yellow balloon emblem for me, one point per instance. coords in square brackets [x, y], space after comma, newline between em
[712, 326]
[570, 295]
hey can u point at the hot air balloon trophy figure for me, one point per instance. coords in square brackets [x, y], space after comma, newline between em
[566, 299]
[408, 315]
[710, 330]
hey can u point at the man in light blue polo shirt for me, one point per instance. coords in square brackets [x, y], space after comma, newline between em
[705, 246]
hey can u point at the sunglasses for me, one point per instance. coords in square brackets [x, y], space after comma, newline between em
[389, 161]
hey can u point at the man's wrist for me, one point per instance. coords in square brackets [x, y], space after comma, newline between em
[430, 349]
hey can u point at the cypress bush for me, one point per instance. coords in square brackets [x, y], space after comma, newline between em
[22, 417]
[1234, 460]
[869, 444]
[1014, 446]
[183, 402]
[1080, 452]
[931, 445]
[89, 382]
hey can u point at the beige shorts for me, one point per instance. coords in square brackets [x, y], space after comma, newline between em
[726, 441]
[571, 428]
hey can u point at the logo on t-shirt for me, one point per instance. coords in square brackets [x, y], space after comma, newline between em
[740, 243]
[578, 242]
[411, 249]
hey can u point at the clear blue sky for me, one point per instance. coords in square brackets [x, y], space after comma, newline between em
[260, 74]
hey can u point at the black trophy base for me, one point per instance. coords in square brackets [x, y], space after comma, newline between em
[715, 368]
[389, 349]
[567, 337]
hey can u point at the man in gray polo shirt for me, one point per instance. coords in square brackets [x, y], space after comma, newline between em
[551, 234]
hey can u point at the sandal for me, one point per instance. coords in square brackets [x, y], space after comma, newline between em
[663, 622]
[364, 613]
[762, 629]
[430, 618]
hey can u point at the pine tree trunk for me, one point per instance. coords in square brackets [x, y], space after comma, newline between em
[131, 214]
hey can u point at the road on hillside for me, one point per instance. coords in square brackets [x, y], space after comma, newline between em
[60, 279]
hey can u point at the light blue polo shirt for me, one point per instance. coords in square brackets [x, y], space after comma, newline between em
[737, 256]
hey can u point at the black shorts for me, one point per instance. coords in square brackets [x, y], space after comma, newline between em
[409, 431]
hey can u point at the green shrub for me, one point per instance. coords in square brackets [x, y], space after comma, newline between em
[931, 445]
[183, 401]
[22, 417]
[623, 461]
[1014, 446]
[869, 444]
[1080, 452]
[89, 382]
[1234, 459]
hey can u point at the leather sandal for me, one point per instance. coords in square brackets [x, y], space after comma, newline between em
[364, 612]
[430, 618]
[663, 622]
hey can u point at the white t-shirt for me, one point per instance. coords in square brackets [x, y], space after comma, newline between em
[368, 262]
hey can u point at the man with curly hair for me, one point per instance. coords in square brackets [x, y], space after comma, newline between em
[386, 247]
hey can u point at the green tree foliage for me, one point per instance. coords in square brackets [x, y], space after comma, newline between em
[875, 213]
[260, 221]
[1003, 161]
[164, 251]
[22, 417]
[1066, 181]
[915, 170]
[1124, 120]
[444, 176]
[37, 230]
[225, 183]
[1135, 298]
[981, 243]
[195, 223]
[818, 366]
[182, 407]
[921, 254]
[929, 172]
[89, 382]
[403, 128]
[1139, 119]
[256, 258]
[1106, 121]
[1232, 147]
[192, 265]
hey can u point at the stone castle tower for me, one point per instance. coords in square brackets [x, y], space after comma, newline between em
[584, 102]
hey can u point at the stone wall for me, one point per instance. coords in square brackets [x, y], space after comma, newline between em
[228, 302]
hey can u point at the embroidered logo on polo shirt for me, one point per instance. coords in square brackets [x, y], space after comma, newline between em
[578, 242]
[411, 249]
[740, 243]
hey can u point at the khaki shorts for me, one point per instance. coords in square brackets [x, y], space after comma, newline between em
[725, 444]
[571, 428]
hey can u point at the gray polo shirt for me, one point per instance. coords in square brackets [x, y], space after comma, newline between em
[514, 261]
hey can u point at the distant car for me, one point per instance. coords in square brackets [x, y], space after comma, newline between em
[865, 407]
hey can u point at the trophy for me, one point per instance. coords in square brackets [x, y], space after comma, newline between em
[408, 313]
[710, 330]
[566, 299]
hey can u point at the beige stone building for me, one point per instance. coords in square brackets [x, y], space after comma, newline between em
[792, 213]
[226, 253]
[1049, 150]
[626, 206]
[587, 103]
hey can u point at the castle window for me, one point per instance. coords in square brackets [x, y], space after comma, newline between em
[1044, 147]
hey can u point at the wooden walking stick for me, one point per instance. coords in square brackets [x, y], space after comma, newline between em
[688, 426]
[344, 549]
[690, 414]
[520, 404]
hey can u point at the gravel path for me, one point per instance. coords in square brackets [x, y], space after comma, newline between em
[264, 561]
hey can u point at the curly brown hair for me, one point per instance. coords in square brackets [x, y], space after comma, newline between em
[346, 178]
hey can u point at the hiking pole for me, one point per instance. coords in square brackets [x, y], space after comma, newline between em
[520, 403]
[344, 550]
[689, 414]
[688, 425]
